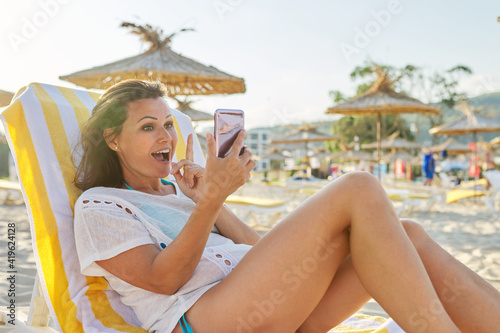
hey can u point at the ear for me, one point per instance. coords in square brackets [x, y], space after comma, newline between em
[110, 139]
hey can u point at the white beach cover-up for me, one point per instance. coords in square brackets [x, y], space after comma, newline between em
[109, 221]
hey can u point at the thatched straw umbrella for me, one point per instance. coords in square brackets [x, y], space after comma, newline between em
[470, 123]
[353, 155]
[396, 145]
[353, 158]
[495, 141]
[305, 134]
[392, 142]
[321, 153]
[451, 147]
[195, 115]
[381, 99]
[398, 155]
[5, 97]
[181, 75]
[274, 155]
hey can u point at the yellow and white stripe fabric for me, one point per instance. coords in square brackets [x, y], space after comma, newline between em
[42, 126]
[367, 324]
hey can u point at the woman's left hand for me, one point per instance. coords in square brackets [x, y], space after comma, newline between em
[190, 181]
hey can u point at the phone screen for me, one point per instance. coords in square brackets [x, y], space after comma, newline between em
[227, 125]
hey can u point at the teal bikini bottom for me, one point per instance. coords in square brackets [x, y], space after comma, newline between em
[185, 326]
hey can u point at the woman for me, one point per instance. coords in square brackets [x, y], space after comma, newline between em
[185, 263]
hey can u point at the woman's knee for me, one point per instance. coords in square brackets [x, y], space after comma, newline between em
[359, 183]
[416, 233]
[360, 178]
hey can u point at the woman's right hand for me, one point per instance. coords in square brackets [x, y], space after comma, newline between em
[225, 175]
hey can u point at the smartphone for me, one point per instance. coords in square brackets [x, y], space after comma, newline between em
[227, 124]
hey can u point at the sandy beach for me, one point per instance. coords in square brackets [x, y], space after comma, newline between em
[23, 260]
[468, 230]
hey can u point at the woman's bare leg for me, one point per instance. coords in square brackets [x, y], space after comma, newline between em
[471, 302]
[282, 279]
[345, 296]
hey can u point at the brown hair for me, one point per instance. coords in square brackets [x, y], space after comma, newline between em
[99, 165]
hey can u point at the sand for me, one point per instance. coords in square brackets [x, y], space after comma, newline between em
[468, 230]
[24, 261]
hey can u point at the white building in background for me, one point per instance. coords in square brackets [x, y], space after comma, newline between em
[258, 141]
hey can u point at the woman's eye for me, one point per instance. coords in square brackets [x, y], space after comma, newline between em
[169, 125]
[147, 127]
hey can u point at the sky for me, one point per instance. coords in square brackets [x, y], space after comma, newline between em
[290, 53]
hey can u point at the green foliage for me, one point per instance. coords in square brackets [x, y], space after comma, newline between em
[460, 68]
[4, 160]
[362, 71]
[368, 74]
[336, 96]
[362, 88]
[365, 128]
[275, 165]
[331, 146]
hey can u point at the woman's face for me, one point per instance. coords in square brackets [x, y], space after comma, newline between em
[147, 141]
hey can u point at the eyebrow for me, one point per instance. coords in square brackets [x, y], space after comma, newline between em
[154, 118]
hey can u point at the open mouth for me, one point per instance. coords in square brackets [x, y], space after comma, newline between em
[162, 155]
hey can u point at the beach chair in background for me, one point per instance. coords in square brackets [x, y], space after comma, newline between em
[252, 207]
[465, 190]
[261, 212]
[413, 199]
[291, 188]
[471, 189]
[411, 196]
[8, 186]
[464, 193]
[443, 180]
[42, 126]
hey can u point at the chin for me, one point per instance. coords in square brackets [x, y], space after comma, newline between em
[165, 173]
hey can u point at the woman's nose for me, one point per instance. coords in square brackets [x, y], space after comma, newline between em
[164, 135]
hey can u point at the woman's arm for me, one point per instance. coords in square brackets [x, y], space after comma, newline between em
[232, 227]
[228, 224]
[166, 271]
